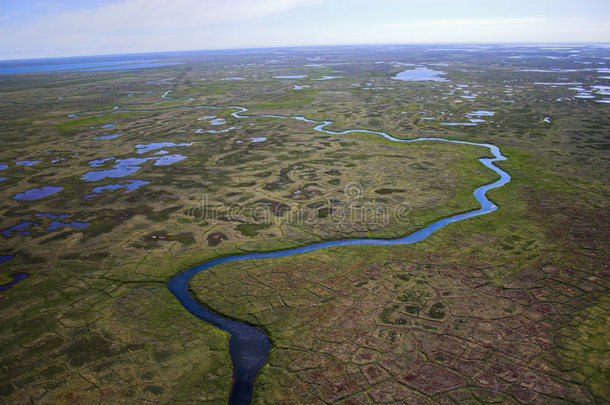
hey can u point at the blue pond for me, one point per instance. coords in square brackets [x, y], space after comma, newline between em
[56, 224]
[17, 228]
[218, 121]
[3, 167]
[481, 113]
[3, 178]
[108, 125]
[53, 216]
[421, 74]
[168, 159]
[129, 186]
[6, 258]
[17, 277]
[100, 162]
[158, 145]
[291, 77]
[108, 136]
[122, 168]
[36, 193]
[27, 162]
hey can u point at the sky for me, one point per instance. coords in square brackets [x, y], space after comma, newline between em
[56, 28]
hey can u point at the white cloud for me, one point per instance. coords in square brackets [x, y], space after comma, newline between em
[96, 27]
[132, 25]
[469, 22]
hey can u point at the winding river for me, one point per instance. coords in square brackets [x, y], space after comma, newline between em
[248, 346]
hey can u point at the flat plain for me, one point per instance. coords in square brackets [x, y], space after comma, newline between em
[153, 173]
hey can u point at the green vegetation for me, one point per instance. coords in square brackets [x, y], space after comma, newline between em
[506, 307]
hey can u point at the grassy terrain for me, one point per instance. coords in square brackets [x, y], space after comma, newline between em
[504, 307]
[471, 314]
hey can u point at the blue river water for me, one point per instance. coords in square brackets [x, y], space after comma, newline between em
[248, 346]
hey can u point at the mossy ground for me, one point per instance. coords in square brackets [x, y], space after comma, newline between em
[503, 307]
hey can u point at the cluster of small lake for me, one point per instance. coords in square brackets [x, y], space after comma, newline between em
[125, 167]
[109, 167]
[17, 229]
[303, 86]
[120, 168]
[591, 93]
[466, 92]
[25, 228]
[426, 74]
[474, 118]
[581, 92]
[213, 120]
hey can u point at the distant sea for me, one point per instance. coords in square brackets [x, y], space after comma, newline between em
[83, 64]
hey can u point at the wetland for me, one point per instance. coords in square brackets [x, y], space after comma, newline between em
[217, 190]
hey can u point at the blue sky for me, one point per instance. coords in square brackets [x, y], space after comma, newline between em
[36, 29]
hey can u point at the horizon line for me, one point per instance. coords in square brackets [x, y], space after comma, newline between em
[517, 43]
